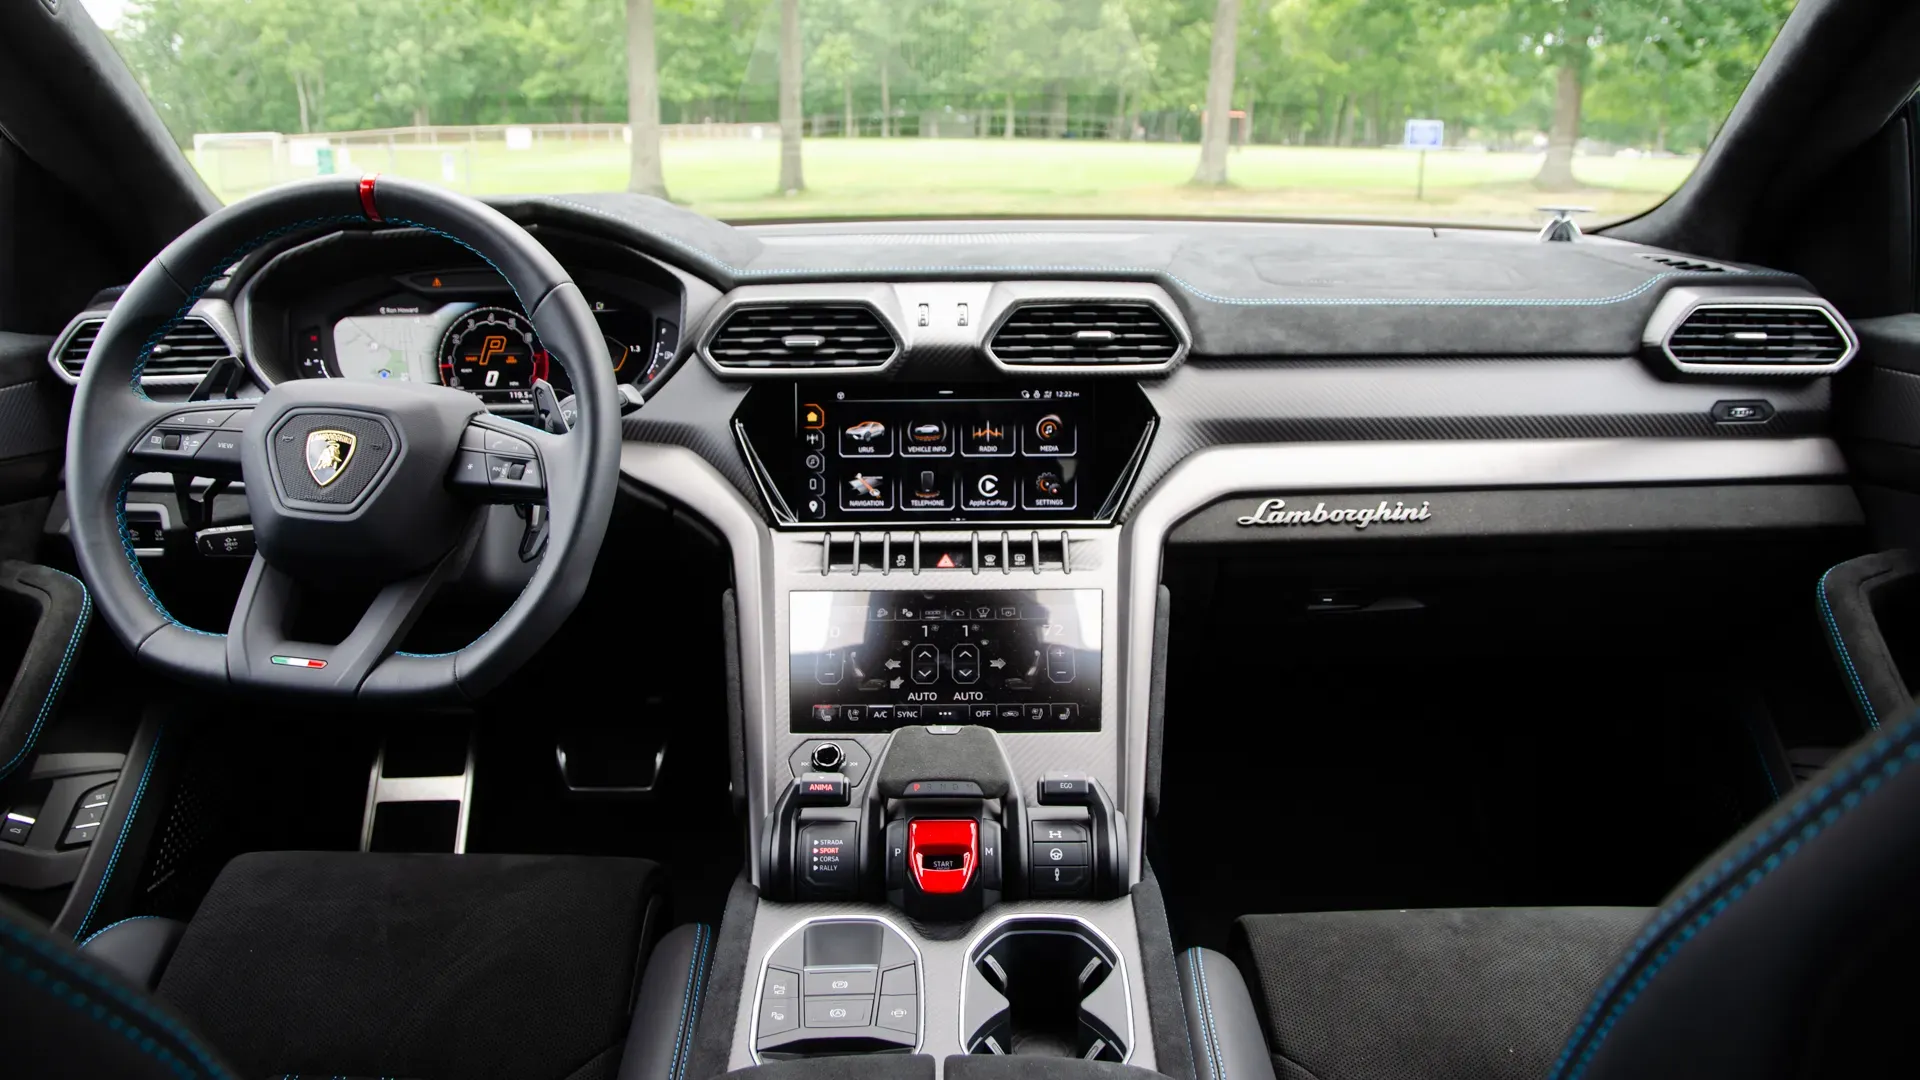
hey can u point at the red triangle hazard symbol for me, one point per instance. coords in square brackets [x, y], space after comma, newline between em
[945, 563]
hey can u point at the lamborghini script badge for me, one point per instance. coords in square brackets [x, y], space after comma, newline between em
[328, 452]
[1275, 512]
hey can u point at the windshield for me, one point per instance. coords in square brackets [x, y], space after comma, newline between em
[1432, 111]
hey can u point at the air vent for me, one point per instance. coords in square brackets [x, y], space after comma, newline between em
[189, 350]
[1091, 333]
[1743, 334]
[73, 355]
[1691, 266]
[802, 336]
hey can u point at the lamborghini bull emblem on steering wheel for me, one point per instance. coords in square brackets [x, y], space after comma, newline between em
[328, 452]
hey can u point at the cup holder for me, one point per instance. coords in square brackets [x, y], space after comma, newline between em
[1046, 986]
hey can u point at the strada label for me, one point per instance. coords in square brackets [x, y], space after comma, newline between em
[1275, 512]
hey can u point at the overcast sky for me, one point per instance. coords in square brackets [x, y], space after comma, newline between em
[105, 12]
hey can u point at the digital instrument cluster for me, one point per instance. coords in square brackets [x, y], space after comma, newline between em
[473, 343]
[1013, 660]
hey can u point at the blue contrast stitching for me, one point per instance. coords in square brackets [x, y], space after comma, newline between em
[1840, 646]
[1148, 271]
[37, 976]
[126, 826]
[1210, 1029]
[111, 925]
[699, 996]
[1882, 754]
[59, 676]
[213, 275]
[686, 996]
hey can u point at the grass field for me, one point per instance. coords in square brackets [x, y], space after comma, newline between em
[735, 178]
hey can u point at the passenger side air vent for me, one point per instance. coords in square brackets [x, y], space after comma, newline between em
[74, 353]
[802, 335]
[1090, 333]
[189, 350]
[1740, 335]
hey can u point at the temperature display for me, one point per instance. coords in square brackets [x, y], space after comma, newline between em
[1010, 660]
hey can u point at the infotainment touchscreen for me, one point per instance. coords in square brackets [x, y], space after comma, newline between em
[965, 455]
[1013, 660]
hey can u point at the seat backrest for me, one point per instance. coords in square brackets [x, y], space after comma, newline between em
[68, 1016]
[1791, 952]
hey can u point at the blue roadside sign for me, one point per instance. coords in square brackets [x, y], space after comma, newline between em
[1425, 135]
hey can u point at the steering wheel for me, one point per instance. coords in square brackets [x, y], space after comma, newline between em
[352, 485]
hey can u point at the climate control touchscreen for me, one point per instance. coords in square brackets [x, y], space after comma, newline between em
[1013, 660]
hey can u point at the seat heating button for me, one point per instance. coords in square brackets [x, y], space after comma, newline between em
[900, 1012]
[840, 983]
[839, 1012]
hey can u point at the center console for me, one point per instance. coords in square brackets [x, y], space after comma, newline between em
[930, 634]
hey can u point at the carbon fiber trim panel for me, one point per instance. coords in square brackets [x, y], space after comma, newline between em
[32, 418]
[695, 410]
[943, 963]
[1223, 403]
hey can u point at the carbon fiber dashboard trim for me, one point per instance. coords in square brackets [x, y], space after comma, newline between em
[1209, 404]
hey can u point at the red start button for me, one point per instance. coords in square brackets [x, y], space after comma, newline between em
[942, 854]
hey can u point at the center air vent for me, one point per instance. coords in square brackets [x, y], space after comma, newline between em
[1739, 335]
[189, 350]
[802, 335]
[1089, 333]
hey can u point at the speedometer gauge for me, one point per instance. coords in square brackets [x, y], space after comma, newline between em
[492, 352]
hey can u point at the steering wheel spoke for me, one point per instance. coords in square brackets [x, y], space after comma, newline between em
[262, 654]
[503, 462]
[198, 441]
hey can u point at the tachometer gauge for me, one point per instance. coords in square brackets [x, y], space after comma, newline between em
[492, 352]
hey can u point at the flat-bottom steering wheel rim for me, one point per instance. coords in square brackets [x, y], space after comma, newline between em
[418, 431]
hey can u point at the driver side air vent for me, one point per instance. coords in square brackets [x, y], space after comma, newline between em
[1090, 333]
[73, 354]
[1736, 335]
[801, 336]
[188, 351]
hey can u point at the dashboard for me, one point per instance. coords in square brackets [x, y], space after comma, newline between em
[947, 459]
